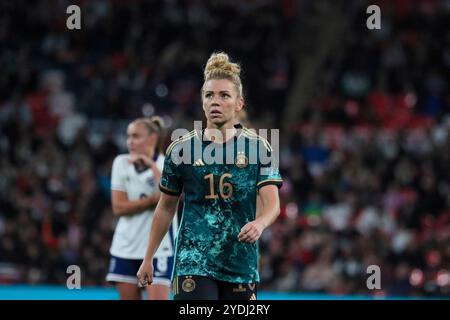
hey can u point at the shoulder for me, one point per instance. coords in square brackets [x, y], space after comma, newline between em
[160, 158]
[160, 161]
[180, 141]
[119, 172]
[251, 135]
[121, 159]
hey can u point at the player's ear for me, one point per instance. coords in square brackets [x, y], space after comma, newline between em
[240, 104]
[153, 138]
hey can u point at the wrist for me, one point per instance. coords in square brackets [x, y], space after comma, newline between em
[263, 224]
[148, 259]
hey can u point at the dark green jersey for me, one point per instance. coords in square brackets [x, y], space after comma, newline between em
[219, 199]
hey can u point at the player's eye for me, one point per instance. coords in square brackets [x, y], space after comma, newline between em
[208, 95]
[225, 95]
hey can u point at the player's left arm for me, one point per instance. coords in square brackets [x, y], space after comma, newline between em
[268, 211]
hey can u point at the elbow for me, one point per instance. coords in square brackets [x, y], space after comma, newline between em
[117, 210]
[277, 212]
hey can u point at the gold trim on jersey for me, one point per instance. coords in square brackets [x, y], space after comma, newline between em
[169, 190]
[180, 139]
[198, 134]
[252, 135]
[175, 285]
[269, 180]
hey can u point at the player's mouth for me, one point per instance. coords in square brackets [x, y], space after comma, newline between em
[215, 113]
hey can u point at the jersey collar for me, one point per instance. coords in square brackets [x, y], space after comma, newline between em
[236, 136]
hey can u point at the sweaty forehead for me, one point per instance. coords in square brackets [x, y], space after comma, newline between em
[217, 85]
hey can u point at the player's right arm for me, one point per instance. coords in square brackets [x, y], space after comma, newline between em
[121, 206]
[164, 213]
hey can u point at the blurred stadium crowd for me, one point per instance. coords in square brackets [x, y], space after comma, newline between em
[366, 167]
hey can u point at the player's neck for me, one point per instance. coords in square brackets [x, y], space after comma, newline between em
[227, 132]
[150, 153]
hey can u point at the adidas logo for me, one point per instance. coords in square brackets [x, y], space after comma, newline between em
[198, 163]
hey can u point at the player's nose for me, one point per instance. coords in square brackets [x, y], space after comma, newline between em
[215, 104]
[215, 101]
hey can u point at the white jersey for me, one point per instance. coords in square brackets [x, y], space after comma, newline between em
[132, 231]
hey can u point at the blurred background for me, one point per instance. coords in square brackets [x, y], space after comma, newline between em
[364, 118]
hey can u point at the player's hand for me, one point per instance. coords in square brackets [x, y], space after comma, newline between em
[145, 273]
[251, 232]
[140, 158]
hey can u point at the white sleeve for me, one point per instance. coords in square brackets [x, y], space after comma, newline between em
[118, 175]
[160, 162]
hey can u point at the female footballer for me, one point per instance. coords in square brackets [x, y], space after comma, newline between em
[216, 253]
[134, 183]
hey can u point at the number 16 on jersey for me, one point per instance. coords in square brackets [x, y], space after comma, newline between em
[225, 188]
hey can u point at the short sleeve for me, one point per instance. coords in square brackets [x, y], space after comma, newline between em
[118, 175]
[160, 162]
[171, 182]
[269, 172]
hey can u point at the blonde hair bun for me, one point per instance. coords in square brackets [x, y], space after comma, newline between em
[219, 62]
[158, 121]
[219, 66]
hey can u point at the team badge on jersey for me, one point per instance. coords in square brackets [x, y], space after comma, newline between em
[241, 160]
[188, 285]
